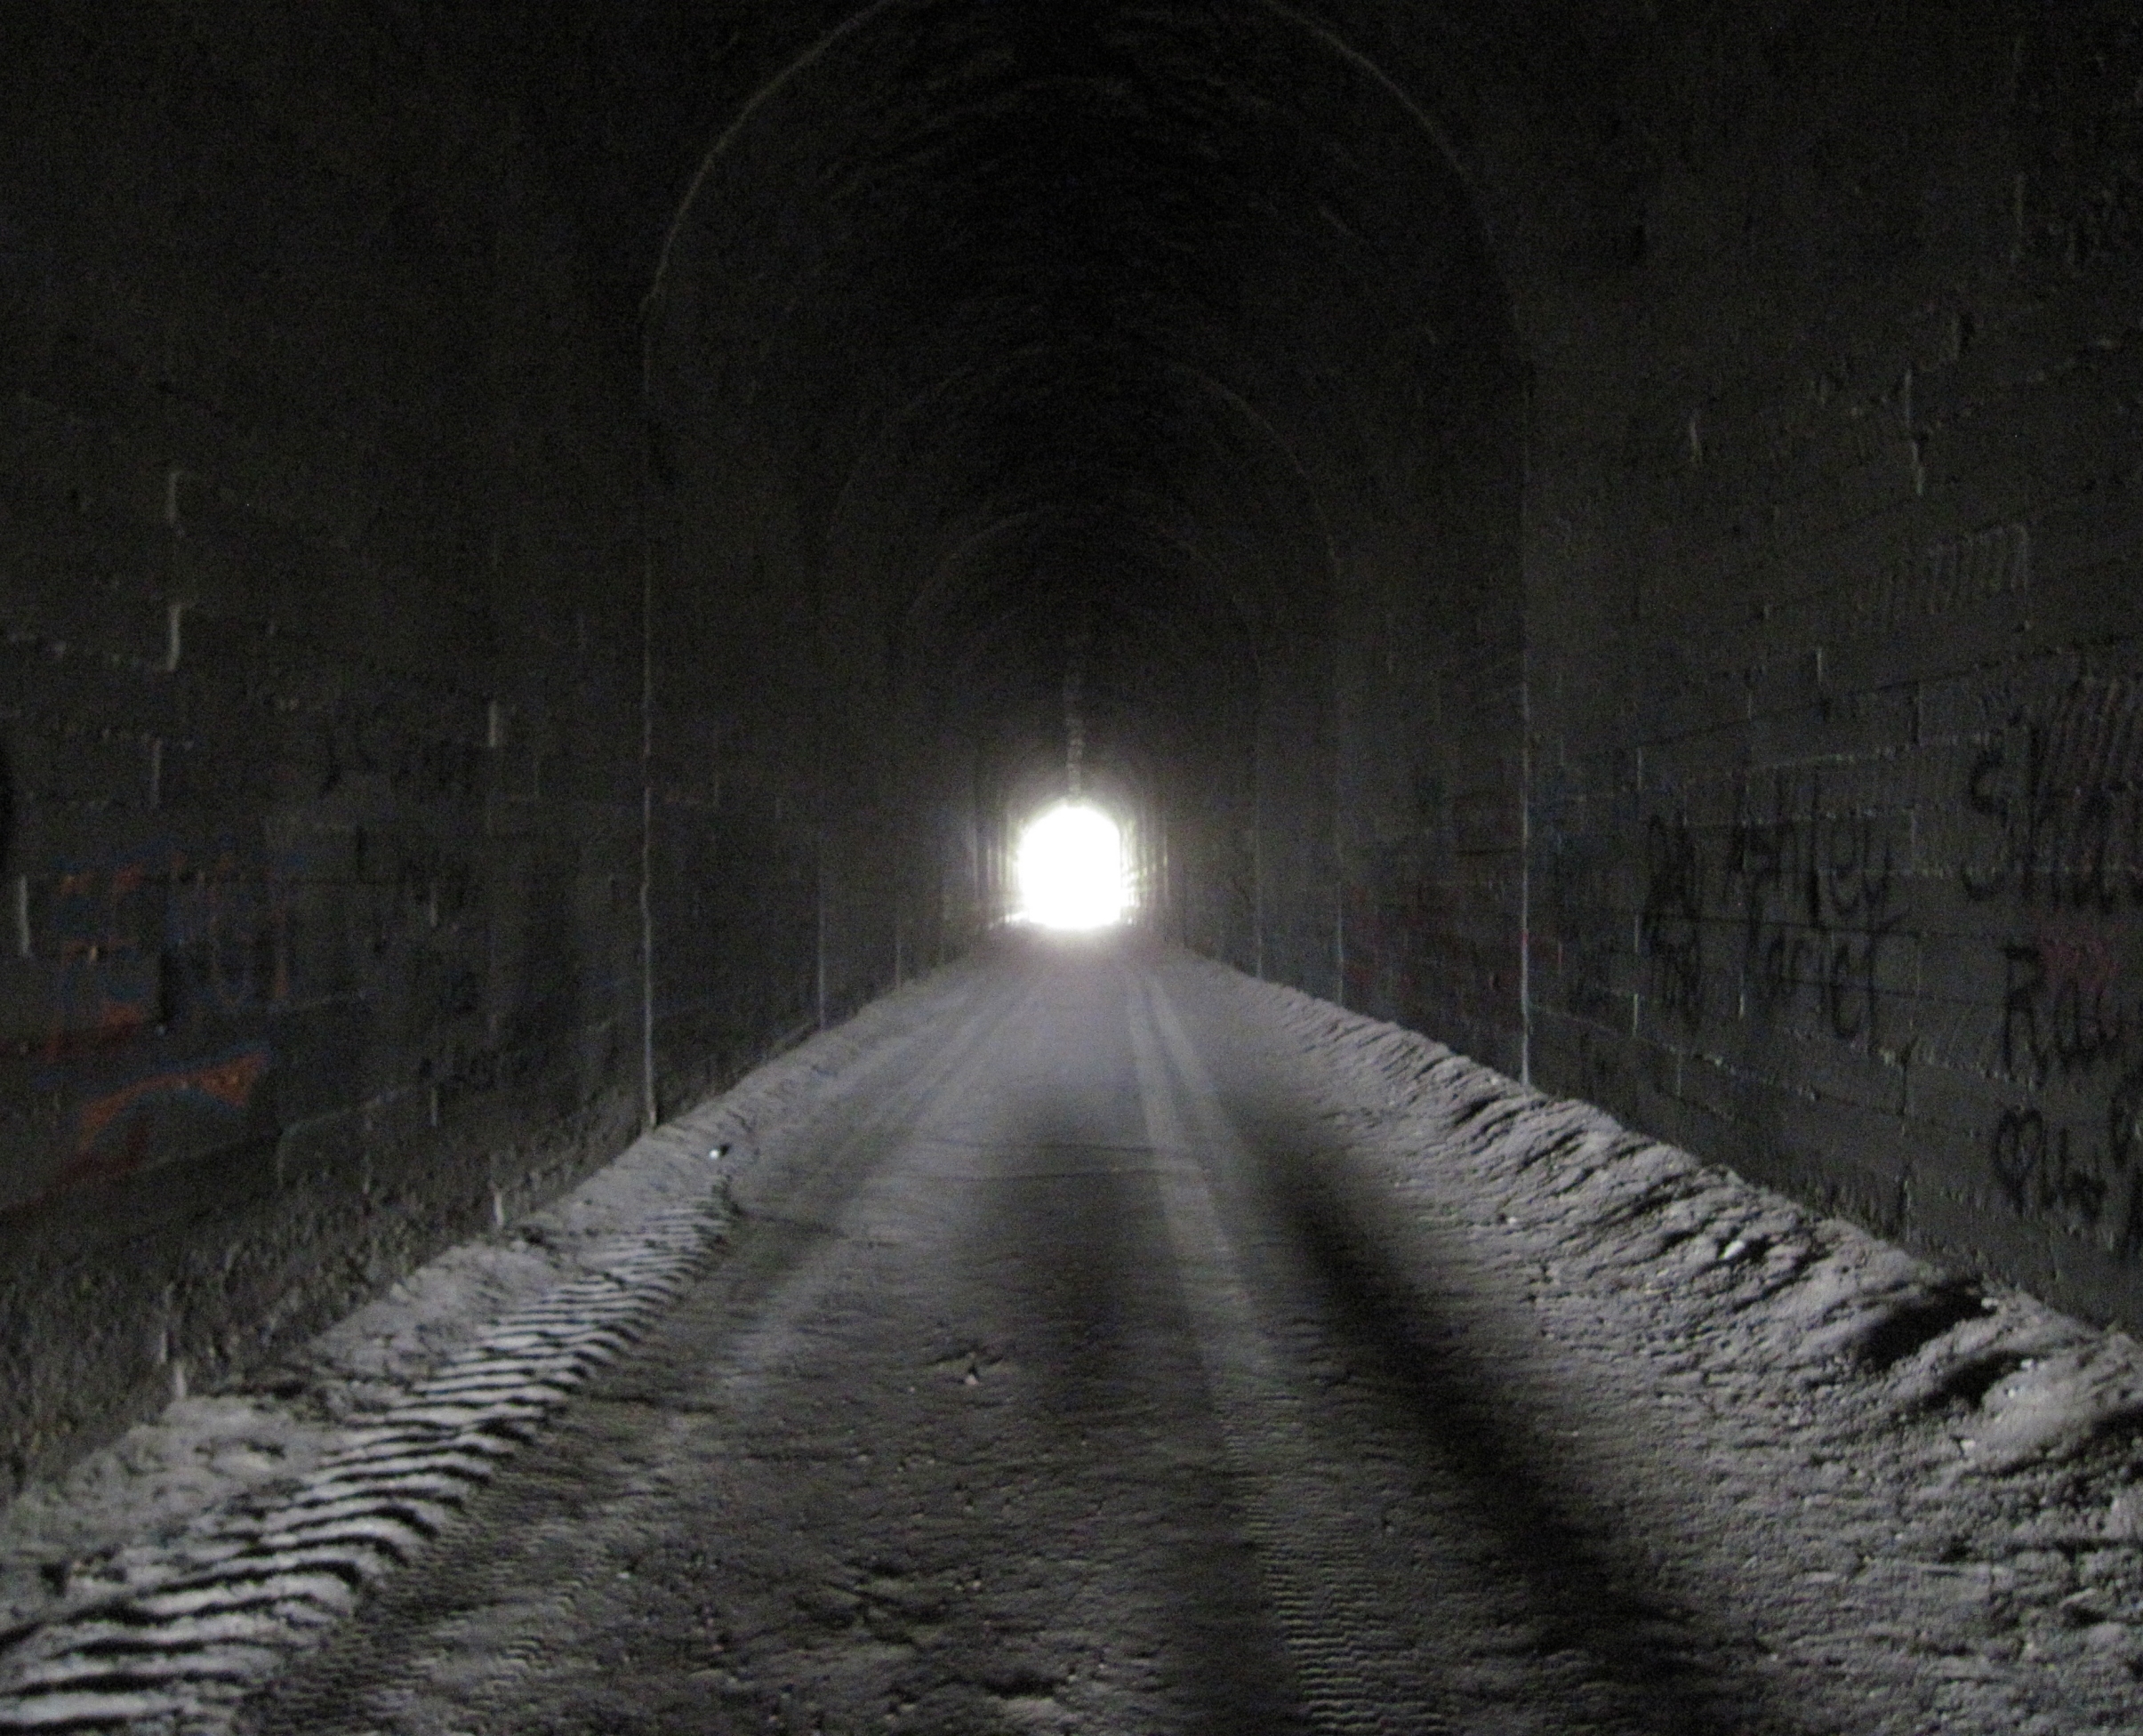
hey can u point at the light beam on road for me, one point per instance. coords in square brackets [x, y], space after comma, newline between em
[1071, 869]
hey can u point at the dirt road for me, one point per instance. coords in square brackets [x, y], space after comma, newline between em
[1088, 1359]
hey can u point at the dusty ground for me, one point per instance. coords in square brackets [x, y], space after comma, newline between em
[1091, 1339]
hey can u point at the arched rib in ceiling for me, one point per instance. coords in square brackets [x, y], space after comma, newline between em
[981, 316]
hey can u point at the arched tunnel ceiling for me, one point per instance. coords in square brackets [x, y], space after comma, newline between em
[1016, 317]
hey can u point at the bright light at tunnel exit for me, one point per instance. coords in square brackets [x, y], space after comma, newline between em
[1071, 869]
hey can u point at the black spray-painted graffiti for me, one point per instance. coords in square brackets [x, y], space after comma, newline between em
[1810, 899]
[1817, 910]
[2048, 1168]
[2068, 1023]
[2061, 1010]
[2064, 1019]
[415, 765]
[2064, 792]
[2060, 792]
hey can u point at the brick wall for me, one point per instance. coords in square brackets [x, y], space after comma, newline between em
[1688, 525]
[1834, 617]
[331, 856]
[317, 696]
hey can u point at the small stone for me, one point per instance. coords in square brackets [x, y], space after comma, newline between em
[2114, 1636]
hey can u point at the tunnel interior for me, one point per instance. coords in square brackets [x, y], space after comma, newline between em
[1060, 382]
[546, 552]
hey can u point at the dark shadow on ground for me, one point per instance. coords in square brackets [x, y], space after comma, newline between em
[1674, 1673]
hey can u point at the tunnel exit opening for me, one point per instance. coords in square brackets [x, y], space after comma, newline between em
[1070, 869]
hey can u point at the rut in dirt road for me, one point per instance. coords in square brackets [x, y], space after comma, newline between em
[1085, 1360]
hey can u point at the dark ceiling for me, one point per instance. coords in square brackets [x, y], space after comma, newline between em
[1075, 325]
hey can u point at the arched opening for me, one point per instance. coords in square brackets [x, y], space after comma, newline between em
[1071, 870]
[1135, 373]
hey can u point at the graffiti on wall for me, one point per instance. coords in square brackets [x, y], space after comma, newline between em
[2077, 1169]
[158, 940]
[418, 766]
[1793, 910]
[113, 1130]
[1801, 908]
[158, 937]
[2062, 1006]
[162, 971]
[2070, 1149]
[2059, 793]
[2057, 799]
[1815, 897]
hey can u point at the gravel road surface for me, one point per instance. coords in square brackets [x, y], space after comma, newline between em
[1125, 1346]
[1089, 1338]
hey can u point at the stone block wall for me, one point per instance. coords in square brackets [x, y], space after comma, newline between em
[319, 815]
[1690, 543]
[1835, 626]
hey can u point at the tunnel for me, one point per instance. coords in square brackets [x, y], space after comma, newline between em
[549, 553]
[1125, 389]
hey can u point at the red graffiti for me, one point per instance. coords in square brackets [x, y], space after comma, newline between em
[228, 1082]
[160, 933]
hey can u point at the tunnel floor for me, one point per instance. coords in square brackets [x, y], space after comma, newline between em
[1113, 1344]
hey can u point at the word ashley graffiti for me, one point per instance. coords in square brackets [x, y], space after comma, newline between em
[1816, 910]
[1811, 898]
